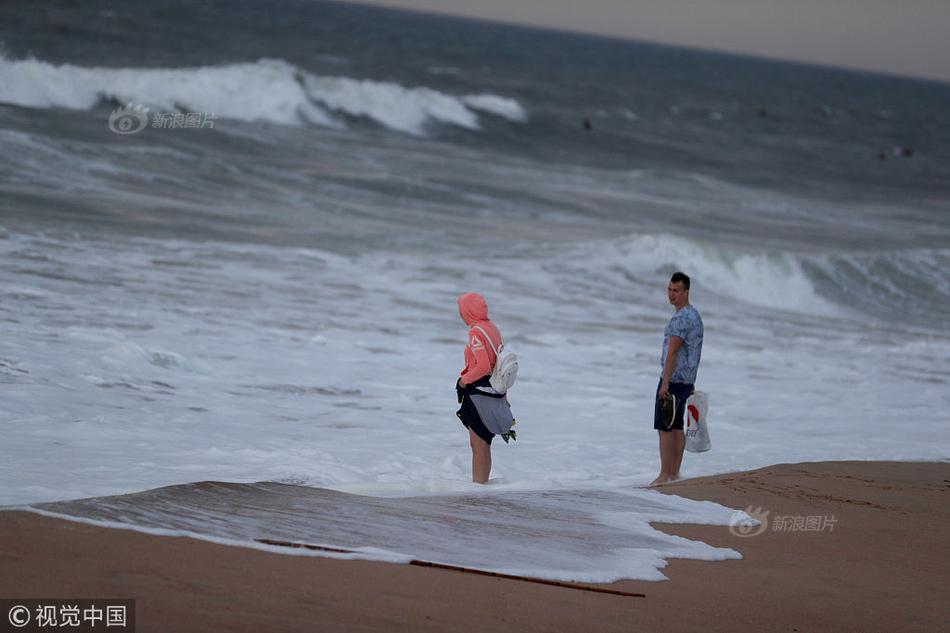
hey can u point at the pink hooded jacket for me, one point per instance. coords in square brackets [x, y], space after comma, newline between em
[479, 356]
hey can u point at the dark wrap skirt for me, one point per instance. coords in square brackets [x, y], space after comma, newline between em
[486, 414]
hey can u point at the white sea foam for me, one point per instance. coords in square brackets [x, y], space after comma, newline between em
[774, 280]
[507, 108]
[359, 553]
[270, 90]
[296, 365]
[261, 91]
[399, 108]
[237, 358]
[584, 535]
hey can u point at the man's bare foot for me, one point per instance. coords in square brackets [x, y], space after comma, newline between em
[662, 479]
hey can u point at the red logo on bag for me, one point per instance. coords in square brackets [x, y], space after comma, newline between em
[693, 417]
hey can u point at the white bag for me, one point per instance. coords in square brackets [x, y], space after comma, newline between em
[506, 366]
[695, 423]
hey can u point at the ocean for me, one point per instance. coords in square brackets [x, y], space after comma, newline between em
[232, 236]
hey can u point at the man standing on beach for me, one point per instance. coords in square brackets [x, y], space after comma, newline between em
[679, 363]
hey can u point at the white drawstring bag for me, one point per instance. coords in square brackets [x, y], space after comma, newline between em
[695, 423]
[506, 366]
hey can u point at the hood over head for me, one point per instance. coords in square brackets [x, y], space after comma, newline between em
[473, 308]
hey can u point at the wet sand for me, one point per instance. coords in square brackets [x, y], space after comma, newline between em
[846, 546]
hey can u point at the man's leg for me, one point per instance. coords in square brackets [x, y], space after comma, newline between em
[667, 456]
[679, 445]
[481, 458]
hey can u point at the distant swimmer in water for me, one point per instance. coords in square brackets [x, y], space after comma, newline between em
[905, 152]
[588, 125]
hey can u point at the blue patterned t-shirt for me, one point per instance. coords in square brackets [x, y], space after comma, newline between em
[688, 325]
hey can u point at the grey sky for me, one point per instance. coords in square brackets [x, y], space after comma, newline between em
[905, 37]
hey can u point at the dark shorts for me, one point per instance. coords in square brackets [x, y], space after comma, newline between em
[682, 391]
[468, 414]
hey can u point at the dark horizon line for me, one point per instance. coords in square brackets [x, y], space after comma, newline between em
[551, 30]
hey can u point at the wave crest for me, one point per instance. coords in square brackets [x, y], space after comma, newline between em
[900, 284]
[772, 280]
[270, 90]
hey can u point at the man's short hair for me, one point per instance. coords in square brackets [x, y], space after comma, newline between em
[682, 277]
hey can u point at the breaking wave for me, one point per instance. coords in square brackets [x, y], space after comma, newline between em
[899, 284]
[270, 90]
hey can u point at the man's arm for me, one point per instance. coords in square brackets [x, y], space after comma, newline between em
[675, 344]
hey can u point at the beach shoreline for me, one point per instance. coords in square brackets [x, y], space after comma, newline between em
[844, 546]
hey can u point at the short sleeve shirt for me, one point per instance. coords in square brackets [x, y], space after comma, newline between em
[688, 325]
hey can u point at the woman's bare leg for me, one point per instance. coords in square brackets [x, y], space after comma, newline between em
[481, 458]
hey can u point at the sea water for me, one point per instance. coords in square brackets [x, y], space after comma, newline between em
[268, 300]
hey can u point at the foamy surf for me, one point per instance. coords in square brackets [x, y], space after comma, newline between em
[271, 90]
[247, 362]
[590, 536]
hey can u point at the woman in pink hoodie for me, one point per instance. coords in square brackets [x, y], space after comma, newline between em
[479, 362]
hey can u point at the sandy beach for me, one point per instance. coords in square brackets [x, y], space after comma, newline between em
[846, 546]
